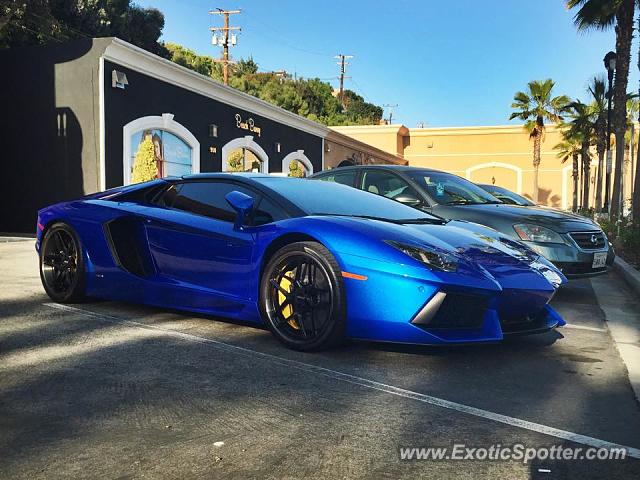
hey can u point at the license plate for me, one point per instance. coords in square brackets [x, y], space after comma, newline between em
[599, 260]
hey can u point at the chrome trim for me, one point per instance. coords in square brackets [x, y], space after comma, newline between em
[605, 248]
[426, 314]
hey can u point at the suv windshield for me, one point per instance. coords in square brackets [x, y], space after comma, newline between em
[448, 189]
[327, 198]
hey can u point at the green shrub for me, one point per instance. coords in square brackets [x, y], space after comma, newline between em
[145, 166]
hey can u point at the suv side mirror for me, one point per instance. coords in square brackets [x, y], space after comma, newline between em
[242, 204]
[408, 199]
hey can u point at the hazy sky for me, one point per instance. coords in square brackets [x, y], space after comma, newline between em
[445, 63]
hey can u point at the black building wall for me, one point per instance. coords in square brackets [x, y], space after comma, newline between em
[47, 148]
[145, 96]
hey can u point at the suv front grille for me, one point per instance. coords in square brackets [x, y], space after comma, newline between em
[589, 240]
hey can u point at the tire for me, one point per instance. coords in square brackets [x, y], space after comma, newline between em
[302, 297]
[62, 268]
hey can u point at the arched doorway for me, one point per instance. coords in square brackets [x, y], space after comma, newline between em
[497, 173]
[297, 164]
[244, 155]
[346, 163]
[158, 146]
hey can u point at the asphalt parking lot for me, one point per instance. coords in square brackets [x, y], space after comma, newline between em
[111, 390]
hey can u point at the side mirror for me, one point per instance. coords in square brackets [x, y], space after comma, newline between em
[408, 199]
[242, 204]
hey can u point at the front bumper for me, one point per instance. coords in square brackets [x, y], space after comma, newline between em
[391, 303]
[574, 262]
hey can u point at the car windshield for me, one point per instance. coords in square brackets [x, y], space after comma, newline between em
[327, 198]
[448, 189]
[507, 196]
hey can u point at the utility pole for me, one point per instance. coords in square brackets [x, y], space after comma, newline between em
[343, 69]
[223, 39]
[390, 107]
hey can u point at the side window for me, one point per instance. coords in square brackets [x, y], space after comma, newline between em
[267, 212]
[345, 178]
[386, 184]
[166, 198]
[208, 199]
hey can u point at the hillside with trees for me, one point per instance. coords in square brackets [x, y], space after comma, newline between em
[40, 22]
[311, 98]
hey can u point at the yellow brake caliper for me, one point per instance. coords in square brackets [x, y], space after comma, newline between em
[287, 310]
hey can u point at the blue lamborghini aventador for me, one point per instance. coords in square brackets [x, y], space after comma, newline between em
[316, 262]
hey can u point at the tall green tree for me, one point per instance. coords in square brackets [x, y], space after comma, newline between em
[582, 128]
[602, 15]
[570, 148]
[534, 107]
[598, 105]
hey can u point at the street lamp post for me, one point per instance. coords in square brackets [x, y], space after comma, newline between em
[610, 65]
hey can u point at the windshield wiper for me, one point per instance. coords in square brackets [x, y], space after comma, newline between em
[469, 202]
[417, 221]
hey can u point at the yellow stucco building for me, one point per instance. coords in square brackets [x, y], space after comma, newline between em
[501, 155]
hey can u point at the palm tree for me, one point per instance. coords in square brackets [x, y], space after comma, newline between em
[582, 127]
[534, 107]
[603, 14]
[570, 147]
[598, 105]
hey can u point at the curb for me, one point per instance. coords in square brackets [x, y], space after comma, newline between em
[629, 274]
[16, 239]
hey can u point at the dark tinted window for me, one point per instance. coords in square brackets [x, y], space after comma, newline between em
[167, 198]
[208, 199]
[330, 198]
[267, 212]
[345, 178]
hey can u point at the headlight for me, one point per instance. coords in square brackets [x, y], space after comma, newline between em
[536, 233]
[433, 259]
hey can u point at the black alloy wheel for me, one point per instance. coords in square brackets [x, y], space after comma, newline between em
[62, 265]
[302, 297]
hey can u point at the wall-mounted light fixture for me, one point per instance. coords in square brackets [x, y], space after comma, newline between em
[327, 147]
[276, 147]
[213, 131]
[119, 79]
[213, 149]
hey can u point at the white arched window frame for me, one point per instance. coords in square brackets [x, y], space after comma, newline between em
[518, 171]
[157, 122]
[250, 144]
[300, 157]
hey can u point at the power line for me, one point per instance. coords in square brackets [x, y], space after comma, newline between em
[224, 39]
[390, 107]
[343, 69]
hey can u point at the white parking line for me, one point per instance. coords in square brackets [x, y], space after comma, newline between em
[583, 327]
[355, 380]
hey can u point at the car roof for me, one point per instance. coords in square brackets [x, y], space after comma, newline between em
[396, 168]
[196, 176]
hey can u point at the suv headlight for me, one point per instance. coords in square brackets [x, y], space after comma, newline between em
[536, 233]
[431, 258]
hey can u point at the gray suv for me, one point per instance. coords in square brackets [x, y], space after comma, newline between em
[576, 244]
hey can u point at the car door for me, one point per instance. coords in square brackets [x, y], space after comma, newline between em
[192, 239]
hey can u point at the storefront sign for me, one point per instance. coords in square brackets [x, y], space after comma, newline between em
[247, 125]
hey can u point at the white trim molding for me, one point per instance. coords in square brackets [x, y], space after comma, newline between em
[518, 171]
[102, 173]
[163, 122]
[250, 144]
[135, 58]
[299, 156]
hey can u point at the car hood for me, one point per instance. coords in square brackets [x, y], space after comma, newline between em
[494, 214]
[478, 249]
